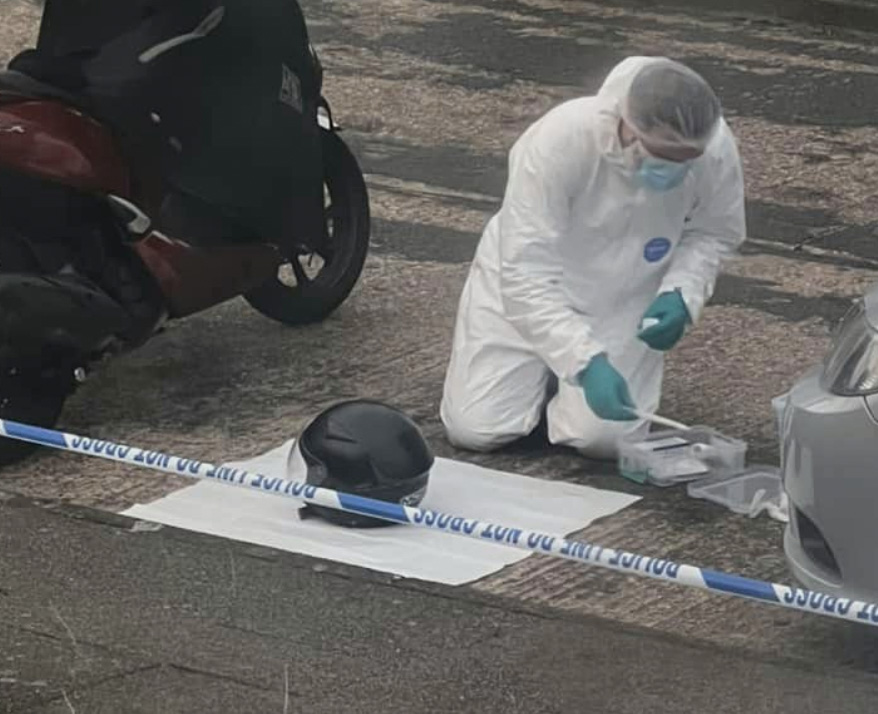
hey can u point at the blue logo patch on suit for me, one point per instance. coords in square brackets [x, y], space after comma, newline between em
[656, 249]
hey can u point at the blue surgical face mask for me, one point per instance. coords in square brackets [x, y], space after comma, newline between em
[652, 172]
[661, 175]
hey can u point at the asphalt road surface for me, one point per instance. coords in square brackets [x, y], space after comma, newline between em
[170, 622]
[432, 95]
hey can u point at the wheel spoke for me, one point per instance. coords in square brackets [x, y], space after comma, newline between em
[325, 252]
[301, 276]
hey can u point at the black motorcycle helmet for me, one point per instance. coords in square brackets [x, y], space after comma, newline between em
[367, 449]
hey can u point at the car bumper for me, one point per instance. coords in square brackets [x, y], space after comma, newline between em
[829, 446]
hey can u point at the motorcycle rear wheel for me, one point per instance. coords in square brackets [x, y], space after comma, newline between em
[315, 297]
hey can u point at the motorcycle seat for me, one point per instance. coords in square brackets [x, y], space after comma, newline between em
[21, 83]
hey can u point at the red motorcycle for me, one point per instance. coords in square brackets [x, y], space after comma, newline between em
[157, 158]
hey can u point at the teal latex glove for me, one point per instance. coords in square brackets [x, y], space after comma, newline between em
[606, 391]
[672, 315]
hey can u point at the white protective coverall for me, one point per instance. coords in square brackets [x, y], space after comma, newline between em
[568, 266]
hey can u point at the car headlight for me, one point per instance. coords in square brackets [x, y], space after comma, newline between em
[851, 366]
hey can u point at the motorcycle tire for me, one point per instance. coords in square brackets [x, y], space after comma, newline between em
[314, 300]
[35, 402]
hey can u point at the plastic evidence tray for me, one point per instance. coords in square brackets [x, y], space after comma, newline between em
[667, 457]
[738, 491]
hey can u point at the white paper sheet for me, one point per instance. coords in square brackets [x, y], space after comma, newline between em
[455, 488]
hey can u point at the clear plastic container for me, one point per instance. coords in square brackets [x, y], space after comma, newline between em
[748, 493]
[667, 457]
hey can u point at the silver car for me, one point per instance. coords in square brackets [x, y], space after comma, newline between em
[828, 428]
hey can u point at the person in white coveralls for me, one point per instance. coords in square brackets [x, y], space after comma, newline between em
[618, 212]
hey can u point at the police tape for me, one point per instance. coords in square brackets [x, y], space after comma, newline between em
[531, 541]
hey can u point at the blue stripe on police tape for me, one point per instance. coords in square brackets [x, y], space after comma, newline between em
[368, 507]
[35, 433]
[739, 586]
